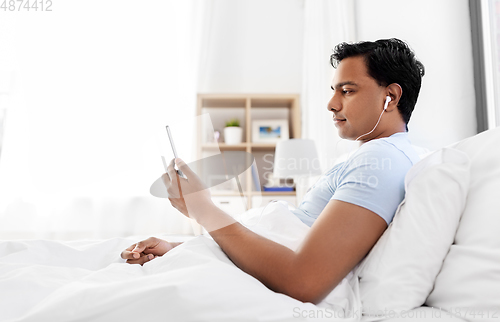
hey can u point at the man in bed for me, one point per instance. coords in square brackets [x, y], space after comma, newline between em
[375, 88]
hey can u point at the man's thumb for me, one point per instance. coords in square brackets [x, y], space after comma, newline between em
[139, 248]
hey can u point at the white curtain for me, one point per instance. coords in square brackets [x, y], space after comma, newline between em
[94, 81]
[326, 23]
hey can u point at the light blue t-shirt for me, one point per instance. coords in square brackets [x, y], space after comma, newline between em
[373, 178]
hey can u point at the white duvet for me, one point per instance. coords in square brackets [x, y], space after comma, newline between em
[88, 281]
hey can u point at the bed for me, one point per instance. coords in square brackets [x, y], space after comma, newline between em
[438, 259]
[44, 280]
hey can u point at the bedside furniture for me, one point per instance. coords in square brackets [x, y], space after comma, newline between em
[247, 108]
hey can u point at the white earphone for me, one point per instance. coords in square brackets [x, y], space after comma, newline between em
[387, 100]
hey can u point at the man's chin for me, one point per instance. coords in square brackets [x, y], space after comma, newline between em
[344, 136]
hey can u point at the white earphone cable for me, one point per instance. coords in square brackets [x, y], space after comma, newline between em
[373, 127]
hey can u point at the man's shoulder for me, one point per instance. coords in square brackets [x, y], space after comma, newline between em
[378, 149]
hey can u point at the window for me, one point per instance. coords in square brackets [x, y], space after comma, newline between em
[485, 28]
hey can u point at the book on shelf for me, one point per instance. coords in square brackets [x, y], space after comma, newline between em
[278, 188]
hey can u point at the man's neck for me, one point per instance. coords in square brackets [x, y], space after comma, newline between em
[387, 133]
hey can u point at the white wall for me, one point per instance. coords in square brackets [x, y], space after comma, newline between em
[92, 82]
[439, 32]
[254, 47]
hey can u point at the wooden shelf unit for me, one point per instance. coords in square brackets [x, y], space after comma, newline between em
[222, 107]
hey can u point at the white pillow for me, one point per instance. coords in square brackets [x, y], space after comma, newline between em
[398, 274]
[470, 277]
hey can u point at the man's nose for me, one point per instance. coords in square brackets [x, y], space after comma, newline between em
[334, 105]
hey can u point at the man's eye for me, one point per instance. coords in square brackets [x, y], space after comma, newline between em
[345, 91]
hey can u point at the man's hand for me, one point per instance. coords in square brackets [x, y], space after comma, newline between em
[146, 250]
[190, 196]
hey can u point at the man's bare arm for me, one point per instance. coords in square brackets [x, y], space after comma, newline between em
[342, 235]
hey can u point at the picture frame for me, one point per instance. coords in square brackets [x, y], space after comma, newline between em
[269, 131]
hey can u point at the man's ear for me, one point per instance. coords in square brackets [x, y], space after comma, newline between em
[395, 91]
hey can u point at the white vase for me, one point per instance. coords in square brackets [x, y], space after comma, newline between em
[233, 135]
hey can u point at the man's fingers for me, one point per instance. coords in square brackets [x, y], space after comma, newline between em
[184, 168]
[130, 255]
[141, 246]
[141, 260]
[131, 247]
[134, 250]
[143, 251]
[146, 243]
[127, 253]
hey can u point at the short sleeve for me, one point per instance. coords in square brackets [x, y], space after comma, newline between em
[374, 179]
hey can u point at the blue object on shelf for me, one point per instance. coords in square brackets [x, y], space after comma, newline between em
[278, 189]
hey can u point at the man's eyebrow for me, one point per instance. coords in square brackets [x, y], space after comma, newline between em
[344, 83]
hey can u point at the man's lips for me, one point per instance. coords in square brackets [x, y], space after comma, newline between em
[338, 120]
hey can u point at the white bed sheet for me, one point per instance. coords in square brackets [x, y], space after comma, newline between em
[88, 281]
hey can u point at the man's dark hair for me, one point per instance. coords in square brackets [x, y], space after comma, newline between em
[388, 61]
